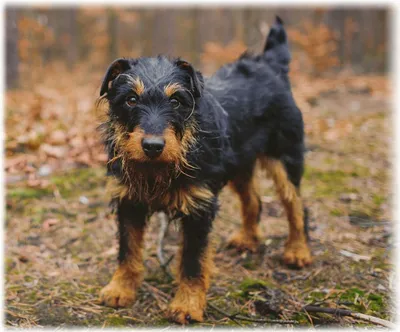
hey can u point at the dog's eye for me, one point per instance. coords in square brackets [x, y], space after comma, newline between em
[175, 103]
[131, 101]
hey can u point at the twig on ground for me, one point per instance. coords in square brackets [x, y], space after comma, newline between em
[346, 312]
[249, 319]
[160, 297]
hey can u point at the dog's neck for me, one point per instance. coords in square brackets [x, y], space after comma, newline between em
[149, 182]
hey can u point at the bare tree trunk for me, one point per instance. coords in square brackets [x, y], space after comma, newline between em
[146, 33]
[72, 25]
[12, 59]
[113, 34]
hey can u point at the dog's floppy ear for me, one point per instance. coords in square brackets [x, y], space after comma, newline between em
[196, 78]
[116, 68]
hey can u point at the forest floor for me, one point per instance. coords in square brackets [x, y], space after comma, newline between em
[61, 246]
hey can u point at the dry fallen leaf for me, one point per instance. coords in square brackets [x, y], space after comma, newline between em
[49, 222]
[54, 151]
[57, 137]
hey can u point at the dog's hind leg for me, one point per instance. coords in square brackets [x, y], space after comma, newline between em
[248, 237]
[287, 182]
[121, 291]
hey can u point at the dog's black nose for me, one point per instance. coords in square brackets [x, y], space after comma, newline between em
[153, 146]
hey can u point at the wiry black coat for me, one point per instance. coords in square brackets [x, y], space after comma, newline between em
[244, 111]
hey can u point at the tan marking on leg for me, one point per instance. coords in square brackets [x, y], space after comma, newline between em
[296, 247]
[190, 299]
[121, 290]
[248, 237]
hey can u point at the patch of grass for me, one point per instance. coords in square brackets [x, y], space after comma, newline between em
[69, 184]
[117, 321]
[337, 212]
[316, 296]
[301, 317]
[250, 285]
[364, 211]
[361, 301]
[378, 199]
[26, 193]
[351, 294]
[326, 183]
[326, 176]
[73, 182]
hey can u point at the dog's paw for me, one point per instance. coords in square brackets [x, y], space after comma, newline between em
[243, 243]
[297, 254]
[117, 295]
[182, 313]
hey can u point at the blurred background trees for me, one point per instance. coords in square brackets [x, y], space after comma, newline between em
[56, 58]
[322, 40]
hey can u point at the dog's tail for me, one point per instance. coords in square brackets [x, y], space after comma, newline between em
[276, 49]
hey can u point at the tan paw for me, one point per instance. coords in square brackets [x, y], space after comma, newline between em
[242, 242]
[297, 253]
[183, 314]
[117, 295]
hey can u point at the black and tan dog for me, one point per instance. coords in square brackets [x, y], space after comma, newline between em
[175, 140]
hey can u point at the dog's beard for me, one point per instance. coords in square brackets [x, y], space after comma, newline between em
[148, 181]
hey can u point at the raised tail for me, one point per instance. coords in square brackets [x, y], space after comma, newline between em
[276, 36]
[276, 49]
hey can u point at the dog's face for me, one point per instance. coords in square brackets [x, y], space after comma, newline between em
[152, 101]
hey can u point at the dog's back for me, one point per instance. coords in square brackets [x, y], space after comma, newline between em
[255, 92]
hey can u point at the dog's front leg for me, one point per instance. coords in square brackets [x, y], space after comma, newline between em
[195, 263]
[121, 291]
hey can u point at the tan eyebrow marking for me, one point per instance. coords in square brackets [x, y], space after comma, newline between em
[171, 88]
[138, 86]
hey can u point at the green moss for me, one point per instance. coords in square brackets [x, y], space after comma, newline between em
[23, 193]
[32, 297]
[376, 301]
[336, 212]
[252, 284]
[9, 263]
[301, 317]
[316, 296]
[378, 199]
[250, 265]
[116, 321]
[162, 322]
[351, 294]
[249, 285]
[92, 290]
[360, 171]
[364, 211]
[326, 183]
[326, 176]
[75, 181]
[68, 183]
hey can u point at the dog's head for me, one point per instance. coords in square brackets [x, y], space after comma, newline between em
[152, 102]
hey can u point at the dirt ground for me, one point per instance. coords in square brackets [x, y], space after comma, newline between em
[61, 242]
